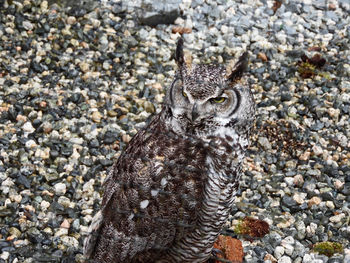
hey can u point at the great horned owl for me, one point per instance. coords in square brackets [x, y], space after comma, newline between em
[169, 194]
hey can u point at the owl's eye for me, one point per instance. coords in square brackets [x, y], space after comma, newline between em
[184, 94]
[218, 99]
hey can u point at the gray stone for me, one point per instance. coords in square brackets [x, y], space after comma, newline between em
[153, 13]
[87, 5]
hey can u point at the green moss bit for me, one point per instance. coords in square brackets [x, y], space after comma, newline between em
[239, 228]
[308, 70]
[328, 248]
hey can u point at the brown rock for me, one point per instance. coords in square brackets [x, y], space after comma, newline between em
[305, 156]
[21, 118]
[314, 201]
[298, 180]
[270, 257]
[252, 227]
[332, 6]
[262, 56]
[181, 30]
[43, 104]
[314, 48]
[232, 249]
[96, 116]
[277, 4]
[65, 224]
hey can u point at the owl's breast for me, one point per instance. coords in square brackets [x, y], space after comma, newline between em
[158, 183]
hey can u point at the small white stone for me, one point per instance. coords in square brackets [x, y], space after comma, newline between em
[317, 150]
[289, 181]
[61, 232]
[311, 229]
[179, 21]
[144, 204]
[44, 5]
[27, 25]
[5, 255]
[60, 188]
[338, 184]
[95, 22]
[307, 258]
[71, 20]
[89, 186]
[16, 198]
[279, 251]
[264, 142]
[28, 127]
[30, 144]
[44, 205]
[9, 30]
[224, 29]
[70, 241]
[285, 259]
[337, 218]
[65, 201]
[288, 249]
[281, 37]
[77, 140]
[299, 197]
[330, 205]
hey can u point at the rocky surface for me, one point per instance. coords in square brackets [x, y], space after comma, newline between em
[76, 84]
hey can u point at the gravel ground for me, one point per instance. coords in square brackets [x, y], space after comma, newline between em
[76, 85]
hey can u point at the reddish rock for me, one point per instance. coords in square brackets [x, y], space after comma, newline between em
[181, 30]
[262, 56]
[232, 249]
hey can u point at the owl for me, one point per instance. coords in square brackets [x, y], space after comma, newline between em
[169, 194]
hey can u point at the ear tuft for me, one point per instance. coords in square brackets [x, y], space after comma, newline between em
[179, 53]
[239, 67]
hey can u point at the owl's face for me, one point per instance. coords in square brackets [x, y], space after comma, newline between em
[204, 99]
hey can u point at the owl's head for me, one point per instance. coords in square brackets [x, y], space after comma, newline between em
[209, 100]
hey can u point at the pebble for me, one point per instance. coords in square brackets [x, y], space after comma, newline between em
[288, 245]
[337, 218]
[279, 251]
[317, 150]
[70, 241]
[264, 142]
[5, 255]
[71, 20]
[28, 127]
[65, 224]
[27, 25]
[60, 188]
[44, 205]
[61, 232]
[314, 201]
[96, 116]
[15, 232]
[301, 228]
[285, 259]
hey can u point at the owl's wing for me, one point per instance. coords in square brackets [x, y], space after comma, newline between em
[127, 223]
[151, 197]
[94, 233]
[96, 222]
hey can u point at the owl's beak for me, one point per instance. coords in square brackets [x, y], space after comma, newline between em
[195, 113]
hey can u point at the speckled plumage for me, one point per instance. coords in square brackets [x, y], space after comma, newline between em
[170, 192]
